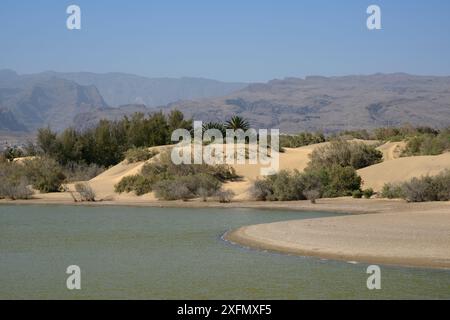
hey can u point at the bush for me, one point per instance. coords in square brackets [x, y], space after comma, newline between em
[419, 190]
[85, 191]
[139, 154]
[368, 193]
[45, 174]
[312, 195]
[224, 196]
[172, 190]
[301, 139]
[340, 181]
[137, 183]
[345, 154]
[14, 184]
[200, 180]
[428, 144]
[15, 190]
[325, 182]
[392, 191]
[422, 189]
[357, 194]
[261, 190]
[81, 172]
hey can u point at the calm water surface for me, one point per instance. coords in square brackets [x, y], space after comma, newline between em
[156, 253]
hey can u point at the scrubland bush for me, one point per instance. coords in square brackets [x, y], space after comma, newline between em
[392, 191]
[428, 144]
[330, 182]
[14, 184]
[422, 189]
[137, 183]
[172, 182]
[357, 194]
[345, 154]
[312, 195]
[45, 174]
[74, 171]
[301, 139]
[172, 190]
[85, 191]
[139, 154]
[368, 193]
[224, 196]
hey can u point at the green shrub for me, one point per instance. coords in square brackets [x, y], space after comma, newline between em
[85, 191]
[357, 194]
[262, 190]
[45, 174]
[392, 191]
[301, 139]
[428, 144]
[224, 196]
[137, 183]
[312, 195]
[74, 171]
[368, 193]
[341, 181]
[345, 154]
[139, 154]
[335, 181]
[427, 188]
[172, 190]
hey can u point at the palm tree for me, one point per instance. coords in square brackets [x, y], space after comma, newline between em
[236, 123]
[214, 125]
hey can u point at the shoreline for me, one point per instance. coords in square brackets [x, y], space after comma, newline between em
[388, 232]
[237, 237]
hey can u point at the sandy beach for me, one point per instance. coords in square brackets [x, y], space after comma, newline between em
[396, 233]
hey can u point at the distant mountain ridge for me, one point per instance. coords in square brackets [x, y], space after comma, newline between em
[30, 101]
[54, 102]
[315, 103]
[332, 103]
[122, 88]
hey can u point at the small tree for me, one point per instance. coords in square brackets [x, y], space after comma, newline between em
[312, 195]
[85, 191]
[225, 196]
[368, 193]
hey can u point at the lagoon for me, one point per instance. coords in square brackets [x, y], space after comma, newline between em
[177, 253]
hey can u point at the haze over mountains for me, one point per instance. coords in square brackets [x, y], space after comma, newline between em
[60, 100]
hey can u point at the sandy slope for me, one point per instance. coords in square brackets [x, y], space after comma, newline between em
[393, 169]
[392, 150]
[403, 169]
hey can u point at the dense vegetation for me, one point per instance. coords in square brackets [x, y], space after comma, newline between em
[106, 144]
[173, 182]
[345, 154]
[427, 188]
[331, 173]
[301, 139]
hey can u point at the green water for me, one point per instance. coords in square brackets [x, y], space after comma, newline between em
[153, 253]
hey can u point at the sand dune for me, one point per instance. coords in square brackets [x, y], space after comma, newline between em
[393, 169]
[403, 169]
[392, 150]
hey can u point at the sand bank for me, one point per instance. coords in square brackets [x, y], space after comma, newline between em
[404, 234]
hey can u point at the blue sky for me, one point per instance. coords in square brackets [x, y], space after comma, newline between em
[231, 40]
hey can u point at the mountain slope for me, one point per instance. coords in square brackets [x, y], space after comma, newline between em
[333, 104]
[53, 102]
[122, 88]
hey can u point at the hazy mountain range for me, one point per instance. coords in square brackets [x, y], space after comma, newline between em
[329, 104]
[333, 104]
[50, 98]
